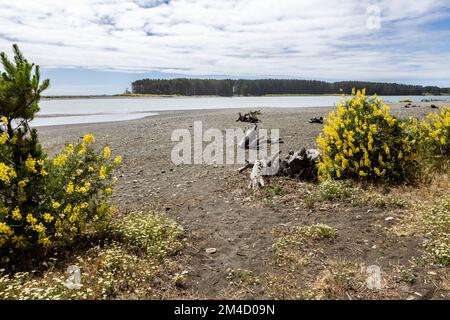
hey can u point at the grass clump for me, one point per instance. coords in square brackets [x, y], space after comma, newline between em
[291, 241]
[334, 189]
[242, 278]
[151, 234]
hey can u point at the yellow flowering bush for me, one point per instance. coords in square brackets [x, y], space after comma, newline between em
[362, 140]
[434, 135]
[44, 202]
[49, 202]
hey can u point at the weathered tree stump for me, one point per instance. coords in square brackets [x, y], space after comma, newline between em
[251, 117]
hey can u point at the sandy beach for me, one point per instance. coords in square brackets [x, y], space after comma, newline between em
[211, 203]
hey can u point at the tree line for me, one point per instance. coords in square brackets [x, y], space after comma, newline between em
[241, 87]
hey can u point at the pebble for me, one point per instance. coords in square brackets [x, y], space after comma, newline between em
[389, 218]
[211, 250]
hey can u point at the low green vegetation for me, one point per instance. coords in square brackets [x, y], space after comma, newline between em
[290, 240]
[437, 231]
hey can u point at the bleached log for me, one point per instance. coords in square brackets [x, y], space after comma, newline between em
[251, 140]
[263, 167]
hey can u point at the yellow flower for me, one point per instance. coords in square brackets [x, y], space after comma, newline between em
[45, 241]
[118, 160]
[102, 173]
[88, 139]
[84, 189]
[55, 204]
[30, 164]
[5, 120]
[106, 152]
[5, 229]
[30, 219]
[68, 208]
[60, 160]
[70, 188]
[108, 191]
[6, 173]
[48, 217]
[69, 149]
[3, 138]
[16, 214]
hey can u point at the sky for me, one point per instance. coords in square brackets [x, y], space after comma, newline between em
[101, 46]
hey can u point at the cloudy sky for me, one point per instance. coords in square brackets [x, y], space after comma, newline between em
[100, 46]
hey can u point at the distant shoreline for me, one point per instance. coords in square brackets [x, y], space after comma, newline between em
[119, 96]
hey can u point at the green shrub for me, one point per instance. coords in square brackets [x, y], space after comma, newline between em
[362, 140]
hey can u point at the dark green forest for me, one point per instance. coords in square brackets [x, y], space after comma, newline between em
[228, 87]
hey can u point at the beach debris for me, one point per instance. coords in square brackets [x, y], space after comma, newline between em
[316, 120]
[251, 117]
[211, 250]
[300, 165]
[251, 140]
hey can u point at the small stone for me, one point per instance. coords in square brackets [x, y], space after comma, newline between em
[418, 294]
[211, 250]
[389, 218]
[432, 273]
[163, 171]
[374, 246]
[369, 211]
[358, 217]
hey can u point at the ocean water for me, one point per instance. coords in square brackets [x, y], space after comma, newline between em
[95, 110]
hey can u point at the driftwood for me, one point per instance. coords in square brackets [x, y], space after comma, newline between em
[316, 120]
[251, 140]
[260, 168]
[300, 165]
[251, 117]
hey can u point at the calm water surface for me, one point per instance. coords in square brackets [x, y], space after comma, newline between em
[72, 111]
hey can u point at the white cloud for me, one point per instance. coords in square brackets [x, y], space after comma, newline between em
[259, 38]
